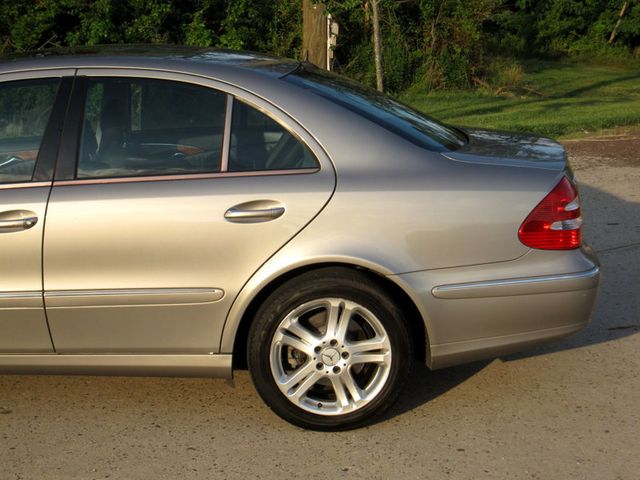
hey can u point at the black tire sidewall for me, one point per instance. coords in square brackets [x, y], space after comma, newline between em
[352, 286]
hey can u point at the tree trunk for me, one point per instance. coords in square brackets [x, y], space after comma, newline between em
[377, 45]
[614, 33]
[434, 31]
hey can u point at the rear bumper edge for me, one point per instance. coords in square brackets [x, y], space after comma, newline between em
[451, 354]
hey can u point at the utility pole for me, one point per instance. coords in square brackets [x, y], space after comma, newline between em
[314, 33]
[319, 35]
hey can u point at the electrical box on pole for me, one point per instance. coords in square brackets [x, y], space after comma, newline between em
[332, 39]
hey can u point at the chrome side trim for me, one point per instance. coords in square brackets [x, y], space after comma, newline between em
[27, 294]
[186, 176]
[520, 286]
[151, 296]
[218, 365]
[25, 299]
[133, 291]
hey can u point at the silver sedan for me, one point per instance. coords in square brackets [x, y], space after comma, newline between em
[177, 211]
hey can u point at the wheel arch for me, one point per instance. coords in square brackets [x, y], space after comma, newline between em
[236, 329]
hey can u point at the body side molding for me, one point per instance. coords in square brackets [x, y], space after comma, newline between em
[147, 296]
[520, 286]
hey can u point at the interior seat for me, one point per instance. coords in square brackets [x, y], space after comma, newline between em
[111, 149]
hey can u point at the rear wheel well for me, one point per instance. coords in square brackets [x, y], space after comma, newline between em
[402, 300]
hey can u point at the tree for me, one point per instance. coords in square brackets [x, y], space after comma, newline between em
[614, 33]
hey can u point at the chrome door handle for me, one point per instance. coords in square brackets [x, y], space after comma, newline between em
[254, 212]
[249, 216]
[16, 220]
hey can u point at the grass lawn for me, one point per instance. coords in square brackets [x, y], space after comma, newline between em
[561, 99]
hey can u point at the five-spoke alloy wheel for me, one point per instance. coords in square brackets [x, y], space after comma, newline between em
[329, 350]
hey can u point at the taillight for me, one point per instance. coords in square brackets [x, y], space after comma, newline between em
[555, 222]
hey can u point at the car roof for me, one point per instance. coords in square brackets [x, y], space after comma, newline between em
[166, 57]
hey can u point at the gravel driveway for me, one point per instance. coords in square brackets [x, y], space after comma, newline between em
[569, 410]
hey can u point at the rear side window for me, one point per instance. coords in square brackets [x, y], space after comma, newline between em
[383, 110]
[138, 127]
[25, 107]
[260, 143]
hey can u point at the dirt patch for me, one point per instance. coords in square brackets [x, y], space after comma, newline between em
[614, 150]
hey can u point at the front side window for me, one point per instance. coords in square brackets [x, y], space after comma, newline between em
[25, 107]
[260, 143]
[140, 127]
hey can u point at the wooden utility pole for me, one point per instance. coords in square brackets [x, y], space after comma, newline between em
[314, 33]
[377, 45]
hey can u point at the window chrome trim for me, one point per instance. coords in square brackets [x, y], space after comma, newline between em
[254, 100]
[186, 176]
[35, 73]
[226, 139]
[9, 186]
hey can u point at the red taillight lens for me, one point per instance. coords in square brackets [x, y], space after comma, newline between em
[555, 223]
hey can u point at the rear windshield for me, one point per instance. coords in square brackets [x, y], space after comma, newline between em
[380, 109]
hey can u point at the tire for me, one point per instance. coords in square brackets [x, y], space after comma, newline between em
[329, 350]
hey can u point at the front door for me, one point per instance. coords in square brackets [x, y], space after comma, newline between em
[180, 193]
[27, 143]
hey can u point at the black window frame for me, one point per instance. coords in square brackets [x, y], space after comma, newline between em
[69, 151]
[72, 137]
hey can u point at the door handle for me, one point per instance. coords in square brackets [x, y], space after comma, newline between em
[255, 211]
[16, 220]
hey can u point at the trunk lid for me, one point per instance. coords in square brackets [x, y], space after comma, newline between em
[509, 148]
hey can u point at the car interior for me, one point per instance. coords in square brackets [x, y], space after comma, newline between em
[134, 128]
[154, 127]
[146, 127]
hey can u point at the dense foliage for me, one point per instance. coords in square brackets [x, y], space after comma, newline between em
[273, 26]
[431, 43]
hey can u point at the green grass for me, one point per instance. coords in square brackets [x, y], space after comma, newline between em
[560, 99]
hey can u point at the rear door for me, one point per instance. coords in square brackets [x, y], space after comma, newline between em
[177, 194]
[32, 107]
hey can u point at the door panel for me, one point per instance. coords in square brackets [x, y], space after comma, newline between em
[32, 106]
[148, 235]
[139, 256]
[23, 326]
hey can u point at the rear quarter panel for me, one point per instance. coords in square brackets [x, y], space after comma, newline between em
[398, 208]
